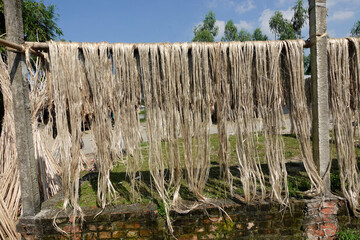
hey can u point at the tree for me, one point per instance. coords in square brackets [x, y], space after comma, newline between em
[285, 29]
[230, 32]
[39, 25]
[355, 31]
[281, 27]
[244, 35]
[39, 21]
[299, 18]
[258, 35]
[203, 36]
[207, 31]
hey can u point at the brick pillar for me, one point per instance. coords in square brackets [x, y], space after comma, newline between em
[321, 220]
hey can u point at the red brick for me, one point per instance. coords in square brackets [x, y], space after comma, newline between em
[104, 235]
[76, 237]
[132, 234]
[28, 237]
[70, 229]
[89, 236]
[134, 225]
[218, 219]
[328, 226]
[312, 227]
[316, 233]
[118, 234]
[206, 221]
[145, 233]
[200, 230]
[240, 226]
[330, 232]
[328, 210]
[329, 204]
[209, 236]
[213, 228]
[92, 227]
[119, 225]
[188, 237]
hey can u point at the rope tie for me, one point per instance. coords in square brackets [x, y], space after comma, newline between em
[317, 36]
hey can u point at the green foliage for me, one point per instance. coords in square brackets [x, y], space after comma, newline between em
[207, 31]
[281, 27]
[203, 36]
[258, 35]
[307, 69]
[299, 18]
[244, 35]
[40, 21]
[355, 31]
[297, 186]
[285, 29]
[230, 32]
[348, 234]
[335, 181]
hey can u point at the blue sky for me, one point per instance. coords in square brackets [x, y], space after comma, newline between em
[173, 20]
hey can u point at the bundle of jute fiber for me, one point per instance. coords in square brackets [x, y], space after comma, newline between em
[195, 111]
[98, 66]
[49, 169]
[241, 57]
[300, 115]
[269, 100]
[125, 105]
[65, 83]
[344, 111]
[9, 173]
[220, 65]
[159, 66]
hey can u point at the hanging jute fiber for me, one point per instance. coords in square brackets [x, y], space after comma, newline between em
[344, 72]
[183, 86]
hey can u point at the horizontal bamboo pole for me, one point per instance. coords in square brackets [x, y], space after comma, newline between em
[37, 47]
[19, 47]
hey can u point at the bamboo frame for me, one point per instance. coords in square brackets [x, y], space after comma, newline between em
[37, 47]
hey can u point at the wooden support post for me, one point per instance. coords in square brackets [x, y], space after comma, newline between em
[319, 78]
[28, 170]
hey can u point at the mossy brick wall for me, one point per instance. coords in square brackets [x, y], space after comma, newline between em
[261, 221]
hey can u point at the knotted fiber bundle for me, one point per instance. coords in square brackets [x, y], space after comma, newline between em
[344, 102]
[49, 170]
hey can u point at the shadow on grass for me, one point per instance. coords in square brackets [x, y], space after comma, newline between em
[216, 187]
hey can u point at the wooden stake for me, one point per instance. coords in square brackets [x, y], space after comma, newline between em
[319, 78]
[28, 170]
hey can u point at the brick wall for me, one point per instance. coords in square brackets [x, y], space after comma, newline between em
[310, 220]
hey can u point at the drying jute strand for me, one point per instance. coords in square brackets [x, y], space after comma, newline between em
[245, 85]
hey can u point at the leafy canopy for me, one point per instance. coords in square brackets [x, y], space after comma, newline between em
[244, 35]
[258, 35]
[286, 29]
[355, 31]
[39, 21]
[207, 31]
[230, 32]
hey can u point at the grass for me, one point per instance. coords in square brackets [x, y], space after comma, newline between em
[348, 234]
[216, 187]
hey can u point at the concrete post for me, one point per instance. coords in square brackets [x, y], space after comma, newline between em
[28, 170]
[319, 78]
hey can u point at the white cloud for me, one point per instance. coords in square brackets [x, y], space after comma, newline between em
[244, 24]
[245, 6]
[341, 15]
[221, 25]
[281, 2]
[242, 7]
